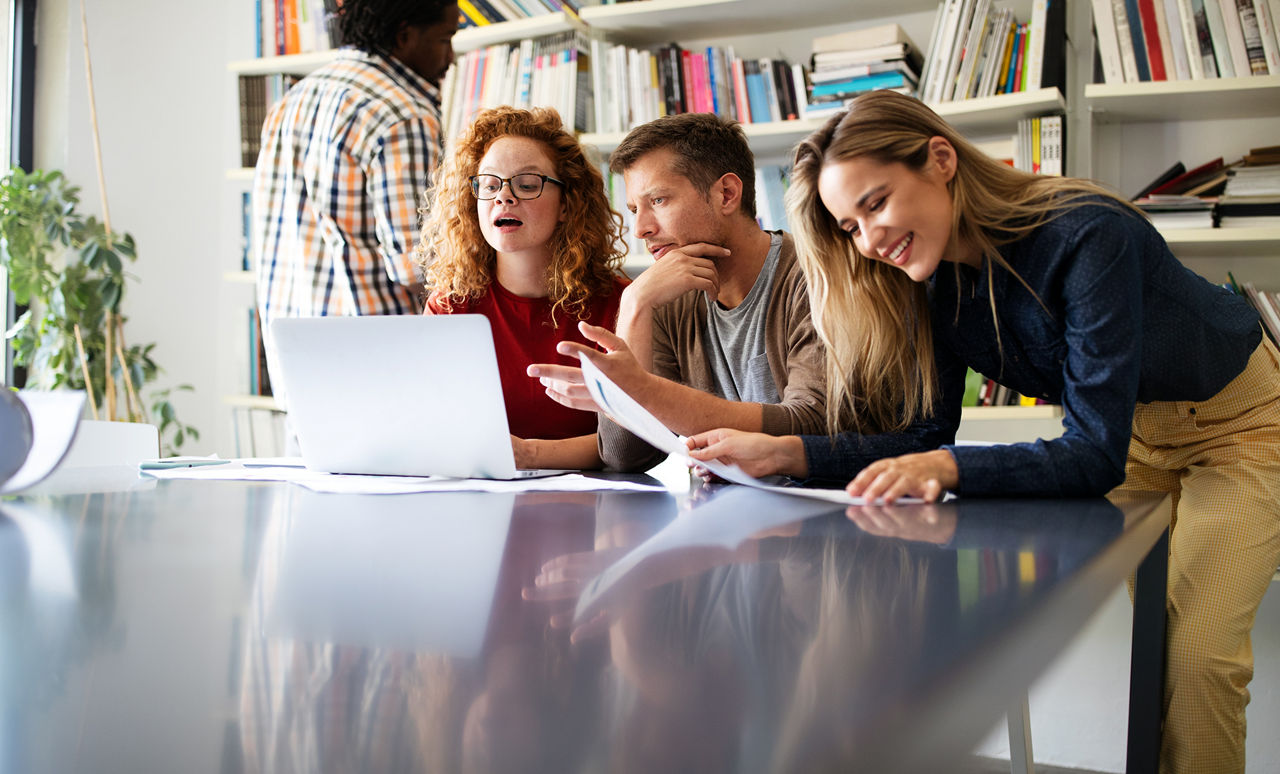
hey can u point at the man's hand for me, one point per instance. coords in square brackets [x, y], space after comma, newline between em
[564, 384]
[925, 475]
[756, 453]
[676, 272]
[921, 523]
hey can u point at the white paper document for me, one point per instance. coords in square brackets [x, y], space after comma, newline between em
[624, 410]
[252, 470]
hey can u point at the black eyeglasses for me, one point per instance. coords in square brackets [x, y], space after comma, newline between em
[528, 185]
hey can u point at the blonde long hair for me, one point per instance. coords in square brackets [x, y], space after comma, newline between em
[586, 248]
[872, 317]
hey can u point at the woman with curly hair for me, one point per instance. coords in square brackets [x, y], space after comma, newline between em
[519, 230]
[924, 256]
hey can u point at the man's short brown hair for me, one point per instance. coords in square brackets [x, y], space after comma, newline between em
[706, 148]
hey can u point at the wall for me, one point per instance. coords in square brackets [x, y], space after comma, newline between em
[162, 100]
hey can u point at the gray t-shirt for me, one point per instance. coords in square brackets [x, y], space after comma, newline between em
[735, 339]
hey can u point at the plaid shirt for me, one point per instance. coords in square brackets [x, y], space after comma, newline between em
[345, 159]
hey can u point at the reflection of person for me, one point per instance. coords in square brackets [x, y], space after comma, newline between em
[927, 256]
[717, 331]
[520, 230]
[345, 159]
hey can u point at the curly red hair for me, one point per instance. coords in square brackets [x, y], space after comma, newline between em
[586, 247]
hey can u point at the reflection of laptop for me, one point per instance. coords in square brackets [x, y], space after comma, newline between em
[391, 572]
[413, 395]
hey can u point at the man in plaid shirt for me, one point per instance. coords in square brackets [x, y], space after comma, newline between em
[346, 157]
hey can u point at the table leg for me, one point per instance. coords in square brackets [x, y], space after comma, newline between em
[1021, 757]
[1146, 670]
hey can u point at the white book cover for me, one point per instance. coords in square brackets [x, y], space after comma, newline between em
[965, 17]
[1124, 36]
[1190, 39]
[1252, 37]
[1104, 22]
[1177, 40]
[1235, 38]
[1166, 41]
[598, 84]
[990, 50]
[942, 55]
[1267, 31]
[1273, 13]
[931, 54]
[1218, 34]
[1034, 57]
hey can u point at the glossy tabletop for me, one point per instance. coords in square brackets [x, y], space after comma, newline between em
[249, 627]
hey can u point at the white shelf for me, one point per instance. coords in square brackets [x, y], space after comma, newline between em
[970, 413]
[661, 21]
[265, 402]
[1211, 98]
[1218, 242]
[1000, 111]
[294, 64]
[243, 277]
[240, 174]
[466, 40]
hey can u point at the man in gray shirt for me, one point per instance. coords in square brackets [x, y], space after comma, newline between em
[717, 333]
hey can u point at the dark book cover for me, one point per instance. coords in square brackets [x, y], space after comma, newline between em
[1053, 68]
[1177, 170]
[1135, 35]
[1189, 180]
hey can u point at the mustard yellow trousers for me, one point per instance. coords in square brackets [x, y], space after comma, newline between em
[1220, 461]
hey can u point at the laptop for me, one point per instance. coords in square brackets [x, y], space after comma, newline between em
[411, 395]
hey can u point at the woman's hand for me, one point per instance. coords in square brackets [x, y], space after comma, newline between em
[756, 453]
[925, 475]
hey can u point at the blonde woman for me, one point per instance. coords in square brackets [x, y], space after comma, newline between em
[924, 256]
[520, 231]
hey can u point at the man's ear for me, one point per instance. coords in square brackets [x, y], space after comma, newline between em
[726, 193]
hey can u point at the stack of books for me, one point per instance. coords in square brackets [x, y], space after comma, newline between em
[979, 50]
[1040, 145]
[1252, 195]
[850, 63]
[1168, 40]
[1266, 302]
[1179, 198]
[295, 26]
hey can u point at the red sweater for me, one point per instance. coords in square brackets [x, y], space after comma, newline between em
[523, 335]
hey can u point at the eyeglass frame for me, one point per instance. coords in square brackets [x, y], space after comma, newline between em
[507, 181]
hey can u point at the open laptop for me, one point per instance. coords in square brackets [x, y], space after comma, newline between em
[412, 395]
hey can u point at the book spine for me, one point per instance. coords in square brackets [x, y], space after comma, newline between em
[1252, 37]
[1109, 46]
[1124, 41]
[1166, 40]
[1151, 39]
[1035, 47]
[1177, 38]
[1235, 38]
[1270, 35]
[1218, 35]
[1136, 35]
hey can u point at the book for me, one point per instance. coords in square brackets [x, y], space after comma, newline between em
[1235, 38]
[1124, 37]
[1177, 39]
[855, 85]
[1270, 35]
[1174, 171]
[1252, 37]
[1189, 179]
[1218, 34]
[1204, 39]
[869, 37]
[1053, 67]
[1137, 37]
[1151, 39]
[1104, 24]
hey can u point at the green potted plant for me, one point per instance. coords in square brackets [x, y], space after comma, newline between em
[70, 270]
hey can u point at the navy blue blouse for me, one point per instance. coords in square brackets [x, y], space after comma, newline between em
[1125, 323]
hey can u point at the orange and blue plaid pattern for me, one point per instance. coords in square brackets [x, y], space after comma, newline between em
[346, 157]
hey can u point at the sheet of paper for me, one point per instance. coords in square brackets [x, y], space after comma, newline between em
[625, 411]
[248, 470]
[55, 417]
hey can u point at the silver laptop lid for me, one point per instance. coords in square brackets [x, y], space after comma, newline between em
[395, 395]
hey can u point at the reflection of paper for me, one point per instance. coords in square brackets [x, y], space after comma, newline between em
[731, 517]
[245, 470]
[54, 419]
[624, 410]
